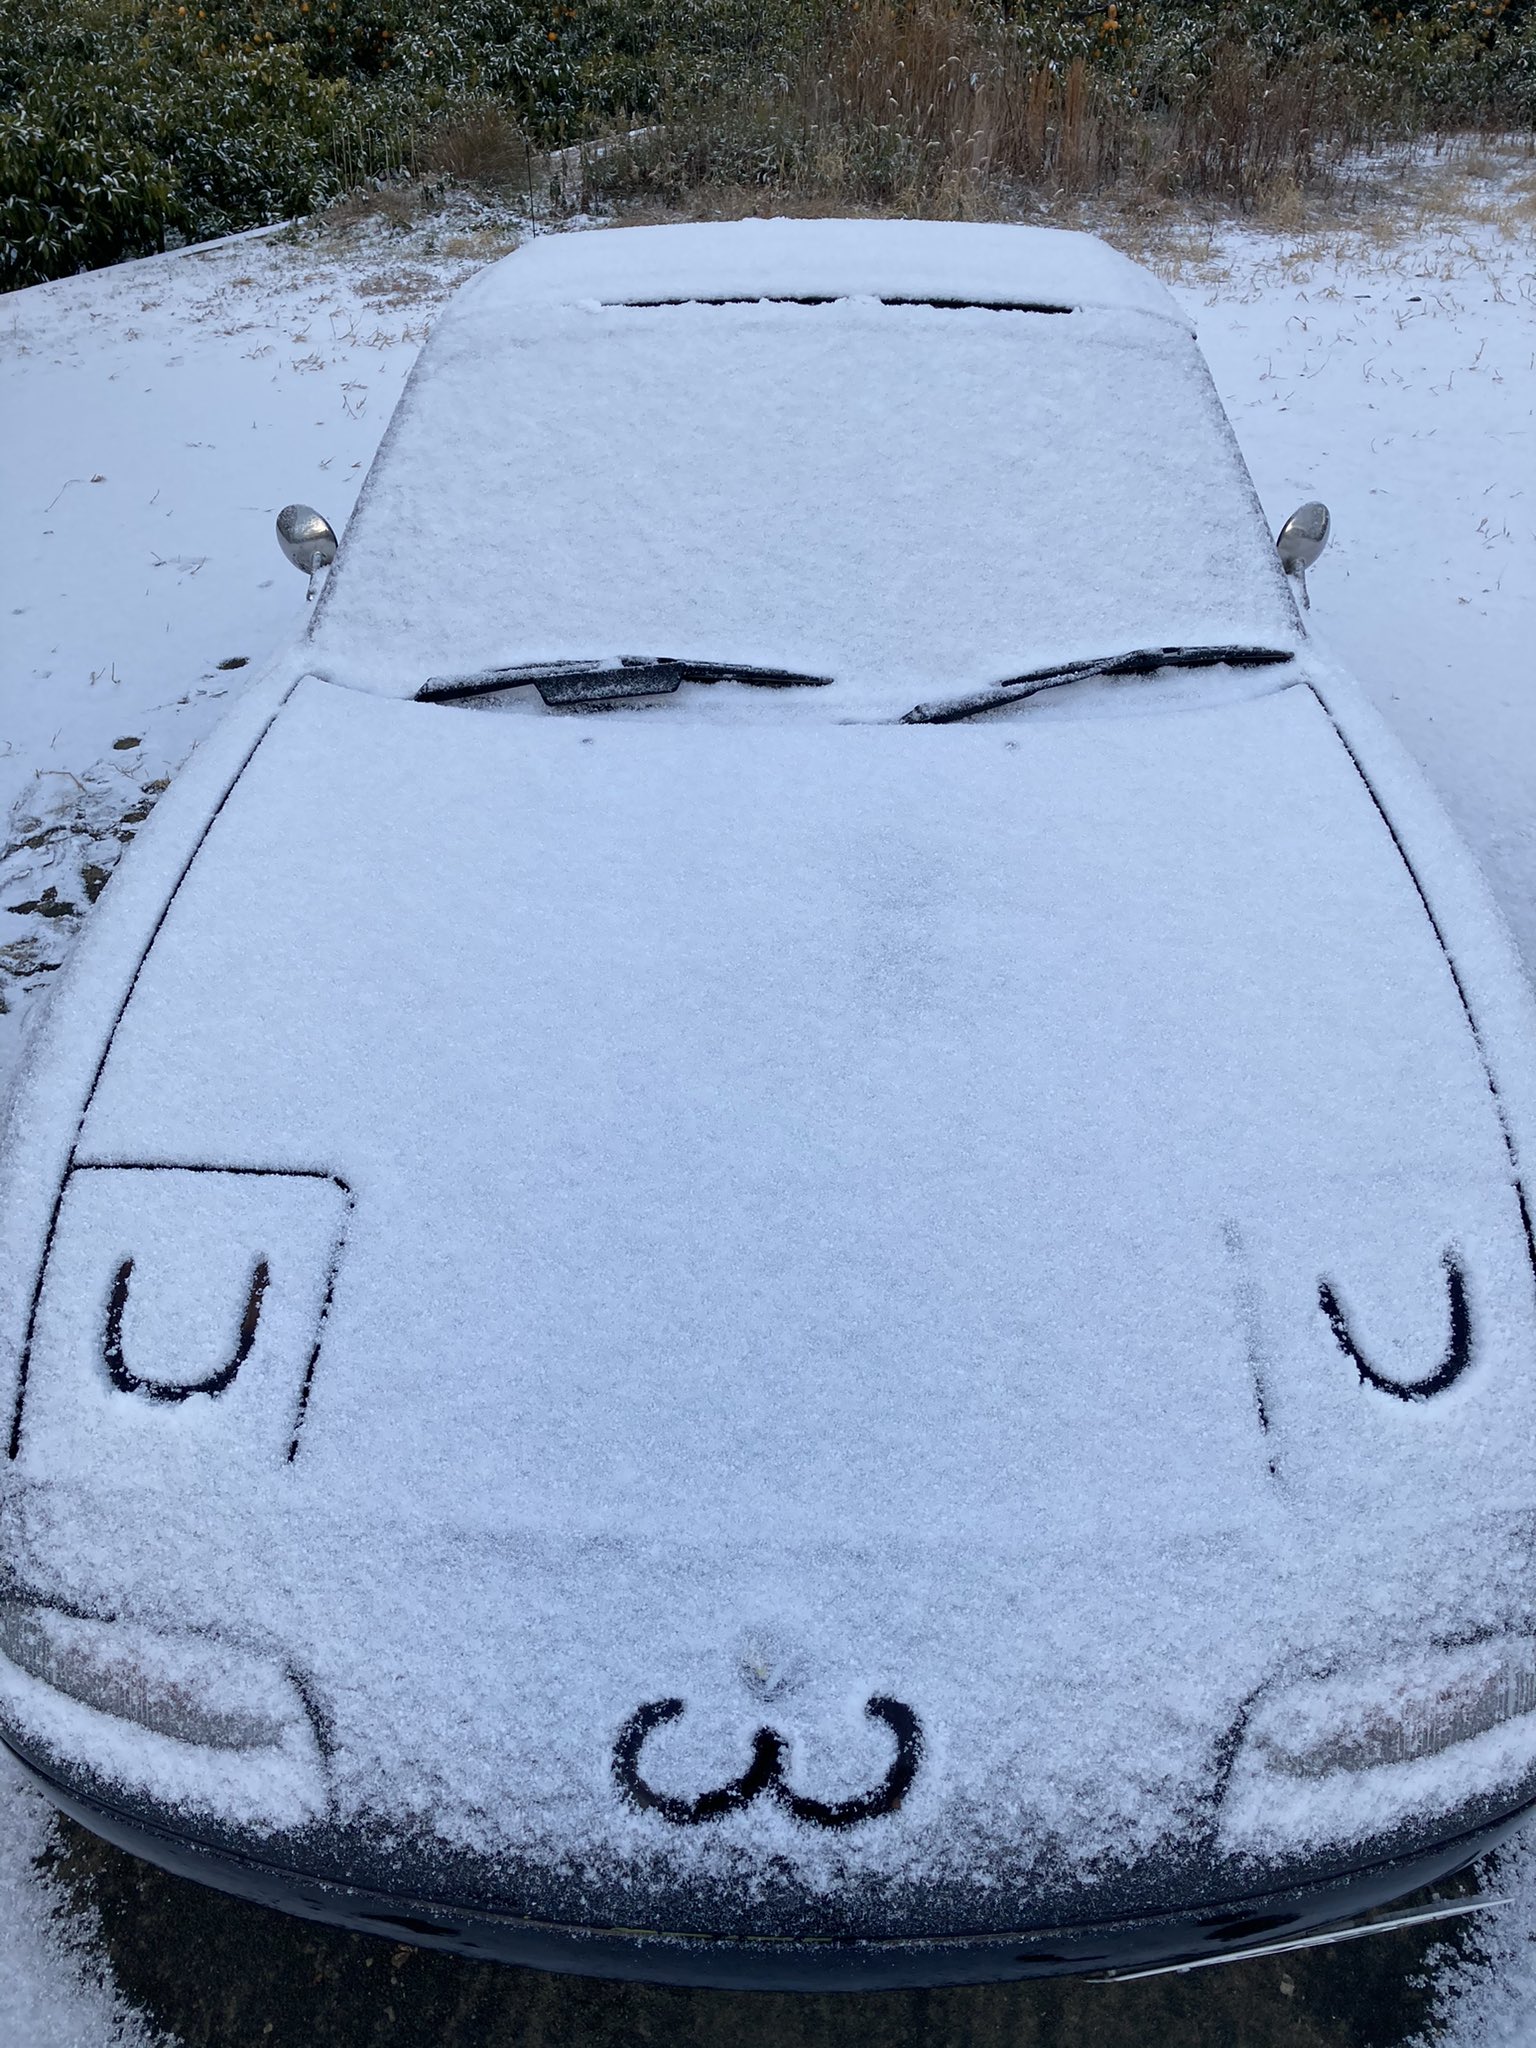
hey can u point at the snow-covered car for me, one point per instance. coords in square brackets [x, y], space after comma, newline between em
[774, 1234]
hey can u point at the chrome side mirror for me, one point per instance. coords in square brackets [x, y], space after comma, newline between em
[307, 540]
[1301, 540]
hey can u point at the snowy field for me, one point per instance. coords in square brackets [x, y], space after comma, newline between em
[157, 416]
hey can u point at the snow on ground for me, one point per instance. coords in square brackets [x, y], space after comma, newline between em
[1489, 2000]
[51, 1993]
[1397, 382]
[159, 414]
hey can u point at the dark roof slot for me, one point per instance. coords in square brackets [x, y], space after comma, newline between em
[834, 298]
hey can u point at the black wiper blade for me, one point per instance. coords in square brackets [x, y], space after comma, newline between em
[1141, 661]
[561, 683]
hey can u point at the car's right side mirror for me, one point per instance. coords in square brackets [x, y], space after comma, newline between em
[1301, 540]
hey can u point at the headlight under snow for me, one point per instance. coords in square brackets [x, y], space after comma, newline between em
[184, 1686]
[1358, 1719]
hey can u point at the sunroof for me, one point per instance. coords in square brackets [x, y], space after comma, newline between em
[833, 298]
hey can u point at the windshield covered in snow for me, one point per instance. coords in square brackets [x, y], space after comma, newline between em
[908, 500]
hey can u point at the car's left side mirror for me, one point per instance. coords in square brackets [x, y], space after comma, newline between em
[308, 540]
[1301, 540]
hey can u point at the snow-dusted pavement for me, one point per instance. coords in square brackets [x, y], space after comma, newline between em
[159, 414]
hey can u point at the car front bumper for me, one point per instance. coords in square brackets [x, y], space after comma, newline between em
[1219, 1930]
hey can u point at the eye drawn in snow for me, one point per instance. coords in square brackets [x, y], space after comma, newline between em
[165, 1281]
[765, 1773]
[128, 1382]
[1458, 1354]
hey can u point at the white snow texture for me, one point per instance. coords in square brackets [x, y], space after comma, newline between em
[1300, 345]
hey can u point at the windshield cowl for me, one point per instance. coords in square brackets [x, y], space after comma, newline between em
[613, 680]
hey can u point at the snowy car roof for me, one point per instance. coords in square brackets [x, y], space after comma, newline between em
[902, 496]
[968, 263]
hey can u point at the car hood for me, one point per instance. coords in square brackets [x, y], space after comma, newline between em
[778, 1220]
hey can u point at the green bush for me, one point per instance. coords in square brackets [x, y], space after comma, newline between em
[121, 125]
[125, 124]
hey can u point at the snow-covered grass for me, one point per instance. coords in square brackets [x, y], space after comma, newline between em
[164, 411]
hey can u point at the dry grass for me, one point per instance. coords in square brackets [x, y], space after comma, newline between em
[478, 148]
[1374, 216]
[399, 203]
[945, 108]
[1481, 183]
[481, 245]
[1440, 215]
[938, 108]
[399, 286]
[933, 107]
[478, 145]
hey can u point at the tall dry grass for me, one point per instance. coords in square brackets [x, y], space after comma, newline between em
[934, 105]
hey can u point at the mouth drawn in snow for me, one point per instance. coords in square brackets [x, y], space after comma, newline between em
[764, 1775]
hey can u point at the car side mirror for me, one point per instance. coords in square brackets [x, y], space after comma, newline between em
[1301, 540]
[308, 540]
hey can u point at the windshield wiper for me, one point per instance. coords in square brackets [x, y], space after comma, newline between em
[1141, 661]
[561, 683]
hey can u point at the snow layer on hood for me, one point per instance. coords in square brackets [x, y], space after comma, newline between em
[1352, 1753]
[911, 500]
[261, 1785]
[913, 259]
[216, 1239]
[860, 1187]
